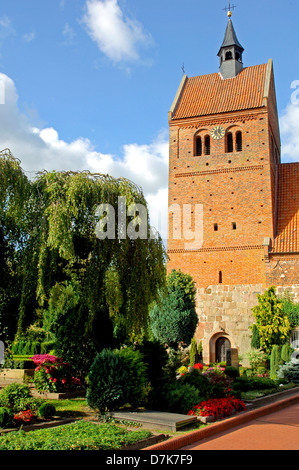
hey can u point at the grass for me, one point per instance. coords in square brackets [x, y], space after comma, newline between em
[81, 435]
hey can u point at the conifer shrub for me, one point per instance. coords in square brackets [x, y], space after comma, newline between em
[116, 378]
[194, 356]
[275, 361]
[47, 410]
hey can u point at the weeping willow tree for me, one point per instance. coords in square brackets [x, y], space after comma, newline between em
[79, 287]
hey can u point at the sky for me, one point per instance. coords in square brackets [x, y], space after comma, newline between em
[87, 84]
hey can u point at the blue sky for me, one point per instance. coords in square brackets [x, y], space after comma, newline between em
[88, 83]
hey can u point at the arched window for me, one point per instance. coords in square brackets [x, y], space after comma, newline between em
[229, 143]
[228, 55]
[207, 145]
[239, 141]
[198, 146]
[220, 277]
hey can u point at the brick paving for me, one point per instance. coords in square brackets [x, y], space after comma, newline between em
[271, 427]
[276, 431]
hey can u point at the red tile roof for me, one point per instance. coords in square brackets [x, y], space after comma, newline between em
[210, 94]
[287, 240]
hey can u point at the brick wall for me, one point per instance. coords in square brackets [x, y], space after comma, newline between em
[235, 190]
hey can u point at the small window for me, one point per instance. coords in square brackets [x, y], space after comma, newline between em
[220, 277]
[234, 226]
[215, 227]
[207, 145]
[228, 55]
[229, 143]
[198, 147]
[239, 142]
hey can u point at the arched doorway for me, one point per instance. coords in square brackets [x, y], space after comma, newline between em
[221, 346]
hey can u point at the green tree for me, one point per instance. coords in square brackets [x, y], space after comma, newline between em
[50, 246]
[290, 308]
[194, 356]
[255, 339]
[272, 323]
[275, 361]
[173, 317]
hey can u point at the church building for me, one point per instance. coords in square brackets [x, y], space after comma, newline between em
[224, 156]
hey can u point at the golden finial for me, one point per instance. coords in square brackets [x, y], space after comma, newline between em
[229, 9]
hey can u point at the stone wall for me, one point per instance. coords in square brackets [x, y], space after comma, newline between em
[226, 311]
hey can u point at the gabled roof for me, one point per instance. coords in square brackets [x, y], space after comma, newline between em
[210, 94]
[230, 37]
[287, 239]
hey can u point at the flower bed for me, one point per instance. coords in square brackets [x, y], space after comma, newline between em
[216, 408]
[54, 375]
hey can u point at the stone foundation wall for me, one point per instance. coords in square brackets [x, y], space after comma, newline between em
[227, 311]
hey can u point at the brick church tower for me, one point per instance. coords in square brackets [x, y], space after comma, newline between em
[224, 158]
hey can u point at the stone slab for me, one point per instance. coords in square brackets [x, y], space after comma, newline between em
[156, 419]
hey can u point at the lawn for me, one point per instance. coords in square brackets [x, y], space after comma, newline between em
[80, 435]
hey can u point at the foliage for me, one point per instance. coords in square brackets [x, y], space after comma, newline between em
[11, 394]
[155, 358]
[53, 374]
[258, 359]
[289, 372]
[253, 383]
[81, 435]
[17, 397]
[290, 308]
[116, 378]
[286, 352]
[173, 317]
[275, 361]
[273, 324]
[6, 417]
[194, 356]
[232, 372]
[255, 339]
[49, 251]
[46, 410]
[180, 397]
[195, 378]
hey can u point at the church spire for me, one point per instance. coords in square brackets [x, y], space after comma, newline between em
[230, 52]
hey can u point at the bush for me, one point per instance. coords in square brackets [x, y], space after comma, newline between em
[197, 380]
[6, 417]
[12, 394]
[246, 384]
[286, 352]
[194, 356]
[114, 380]
[47, 410]
[181, 397]
[275, 361]
[53, 374]
[231, 371]
[156, 358]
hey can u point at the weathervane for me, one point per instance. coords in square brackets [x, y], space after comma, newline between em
[229, 9]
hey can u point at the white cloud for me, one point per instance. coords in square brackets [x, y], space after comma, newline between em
[290, 132]
[42, 149]
[116, 35]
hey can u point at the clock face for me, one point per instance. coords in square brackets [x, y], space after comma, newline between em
[218, 132]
